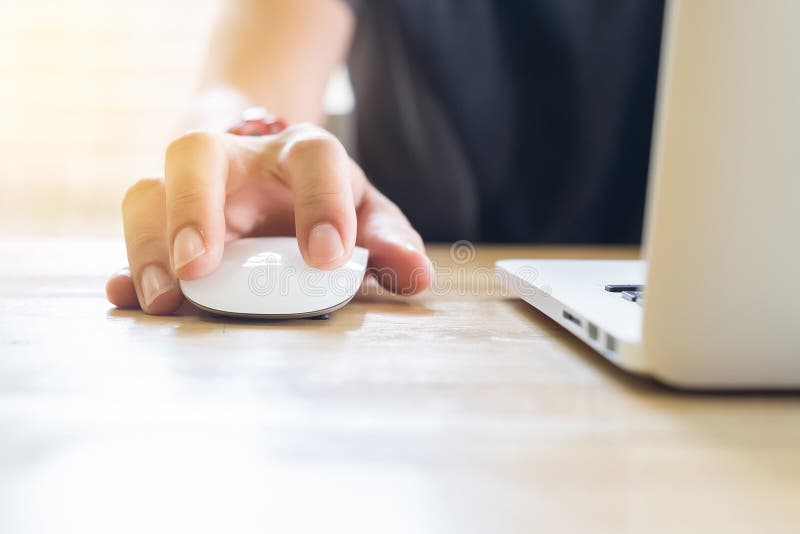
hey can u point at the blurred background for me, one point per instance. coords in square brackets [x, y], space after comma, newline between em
[90, 95]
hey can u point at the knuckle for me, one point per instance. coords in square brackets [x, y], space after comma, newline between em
[304, 129]
[311, 142]
[322, 199]
[141, 189]
[145, 240]
[314, 147]
[185, 199]
[192, 142]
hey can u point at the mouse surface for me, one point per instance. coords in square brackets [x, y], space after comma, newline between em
[266, 277]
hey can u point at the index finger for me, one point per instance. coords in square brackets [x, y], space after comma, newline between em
[196, 170]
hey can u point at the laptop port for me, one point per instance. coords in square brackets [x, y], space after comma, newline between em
[594, 333]
[569, 317]
[611, 343]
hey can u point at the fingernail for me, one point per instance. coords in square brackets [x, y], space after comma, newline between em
[187, 247]
[324, 244]
[155, 282]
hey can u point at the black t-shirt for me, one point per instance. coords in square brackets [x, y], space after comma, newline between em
[509, 120]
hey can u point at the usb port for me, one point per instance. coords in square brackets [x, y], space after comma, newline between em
[594, 333]
[569, 317]
[611, 343]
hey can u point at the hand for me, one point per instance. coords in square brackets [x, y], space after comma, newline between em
[219, 187]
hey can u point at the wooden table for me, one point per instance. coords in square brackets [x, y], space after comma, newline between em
[459, 411]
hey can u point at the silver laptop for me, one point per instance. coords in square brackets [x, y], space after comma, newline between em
[716, 304]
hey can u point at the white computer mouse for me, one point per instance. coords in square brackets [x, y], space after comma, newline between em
[266, 277]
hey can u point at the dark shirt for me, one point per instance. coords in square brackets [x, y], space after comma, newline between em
[509, 120]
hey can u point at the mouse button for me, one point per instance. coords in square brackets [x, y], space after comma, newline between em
[261, 259]
[359, 259]
[344, 282]
[242, 251]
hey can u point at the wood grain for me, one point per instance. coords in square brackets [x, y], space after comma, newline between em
[461, 410]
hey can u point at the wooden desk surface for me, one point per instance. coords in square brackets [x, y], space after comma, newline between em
[458, 411]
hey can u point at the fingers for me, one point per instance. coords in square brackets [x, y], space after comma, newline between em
[318, 170]
[196, 170]
[397, 253]
[177, 227]
[327, 188]
[120, 290]
[144, 218]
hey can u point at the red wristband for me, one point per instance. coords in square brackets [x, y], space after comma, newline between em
[258, 121]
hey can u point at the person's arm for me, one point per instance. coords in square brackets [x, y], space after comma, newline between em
[271, 53]
[217, 186]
